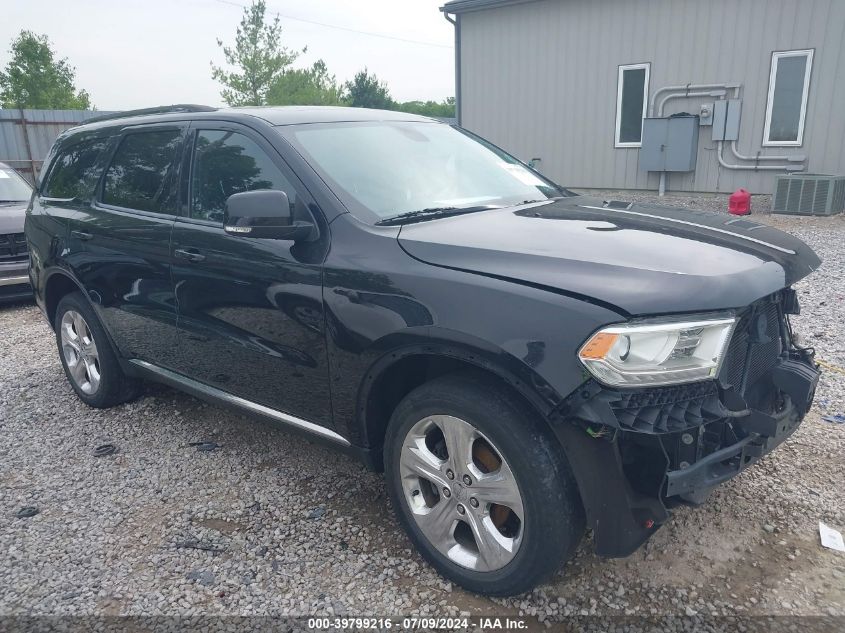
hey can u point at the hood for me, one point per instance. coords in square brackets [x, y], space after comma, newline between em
[635, 258]
[12, 215]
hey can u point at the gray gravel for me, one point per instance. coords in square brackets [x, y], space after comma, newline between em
[268, 523]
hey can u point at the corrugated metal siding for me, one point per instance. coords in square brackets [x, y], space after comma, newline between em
[42, 128]
[540, 80]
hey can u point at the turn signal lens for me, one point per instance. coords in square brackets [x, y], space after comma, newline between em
[658, 352]
[599, 345]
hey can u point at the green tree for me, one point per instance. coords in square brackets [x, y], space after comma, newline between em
[258, 57]
[367, 91]
[308, 86]
[443, 109]
[34, 78]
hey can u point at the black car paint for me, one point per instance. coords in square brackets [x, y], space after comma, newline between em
[627, 259]
[316, 329]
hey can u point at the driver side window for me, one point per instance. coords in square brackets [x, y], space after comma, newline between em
[226, 163]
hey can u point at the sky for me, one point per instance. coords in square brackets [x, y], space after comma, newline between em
[142, 53]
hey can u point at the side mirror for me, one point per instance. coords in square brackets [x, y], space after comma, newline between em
[264, 213]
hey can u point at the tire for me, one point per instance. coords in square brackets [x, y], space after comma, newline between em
[523, 550]
[87, 355]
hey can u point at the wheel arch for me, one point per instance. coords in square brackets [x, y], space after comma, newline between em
[397, 372]
[58, 284]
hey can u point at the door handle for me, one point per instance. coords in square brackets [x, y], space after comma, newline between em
[189, 254]
[81, 235]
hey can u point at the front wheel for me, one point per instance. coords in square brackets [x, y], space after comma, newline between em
[482, 489]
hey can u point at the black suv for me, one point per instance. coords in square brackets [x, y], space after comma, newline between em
[522, 362]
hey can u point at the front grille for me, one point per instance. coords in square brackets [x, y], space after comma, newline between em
[13, 247]
[734, 367]
[667, 409]
[756, 345]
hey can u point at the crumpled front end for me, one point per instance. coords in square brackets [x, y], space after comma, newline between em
[638, 452]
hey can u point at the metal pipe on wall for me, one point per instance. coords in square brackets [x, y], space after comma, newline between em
[798, 158]
[456, 24]
[687, 88]
[727, 165]
[716, 94]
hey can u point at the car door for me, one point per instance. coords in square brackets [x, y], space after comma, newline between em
[125, 236]
[251, 315]
[66, 192]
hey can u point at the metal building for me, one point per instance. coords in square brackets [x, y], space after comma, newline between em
[27, 135]
[570, 82]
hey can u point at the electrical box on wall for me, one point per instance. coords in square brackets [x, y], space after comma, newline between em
[705, 114]
[669, 143]
[726, 115]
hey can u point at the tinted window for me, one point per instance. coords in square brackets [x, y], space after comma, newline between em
[226, 163]
[74, 170]
[141, 175]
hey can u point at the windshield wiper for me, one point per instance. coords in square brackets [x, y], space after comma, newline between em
[432, 212]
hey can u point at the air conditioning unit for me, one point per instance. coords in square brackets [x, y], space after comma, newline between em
[809, 194]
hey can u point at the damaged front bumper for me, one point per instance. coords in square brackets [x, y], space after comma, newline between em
[636, 453]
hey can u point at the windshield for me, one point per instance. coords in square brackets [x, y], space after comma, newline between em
[13, 188]
[395, 168]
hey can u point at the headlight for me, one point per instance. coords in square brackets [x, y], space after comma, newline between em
[651, 353]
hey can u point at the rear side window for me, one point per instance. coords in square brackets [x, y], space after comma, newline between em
[141, 173]
[74, 170]
[226, 163]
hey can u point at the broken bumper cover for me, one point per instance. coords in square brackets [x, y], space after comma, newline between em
[728, 462]
[637, 453]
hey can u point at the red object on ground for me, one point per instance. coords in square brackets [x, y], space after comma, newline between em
[740, 202]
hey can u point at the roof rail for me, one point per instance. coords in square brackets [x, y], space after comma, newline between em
[170, 109]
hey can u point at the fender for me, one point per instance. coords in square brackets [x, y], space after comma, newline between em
[44, 281]
[457, 346]
[41, 299]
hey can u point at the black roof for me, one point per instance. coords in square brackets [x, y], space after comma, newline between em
[274, 115]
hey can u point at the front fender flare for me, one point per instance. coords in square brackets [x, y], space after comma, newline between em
[468, 350]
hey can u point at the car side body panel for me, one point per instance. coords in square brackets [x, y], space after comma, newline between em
[123, 262]
[251, 318]
[382, 305]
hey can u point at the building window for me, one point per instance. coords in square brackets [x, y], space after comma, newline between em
[789, 84]
[631, 102]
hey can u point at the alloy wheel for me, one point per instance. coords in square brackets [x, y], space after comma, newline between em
[80, 352]
[462, 493]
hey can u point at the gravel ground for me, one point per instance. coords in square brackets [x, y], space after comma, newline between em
[269, 523]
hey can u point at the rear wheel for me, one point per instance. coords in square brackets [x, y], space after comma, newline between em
[482, 489]
[87, 356]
